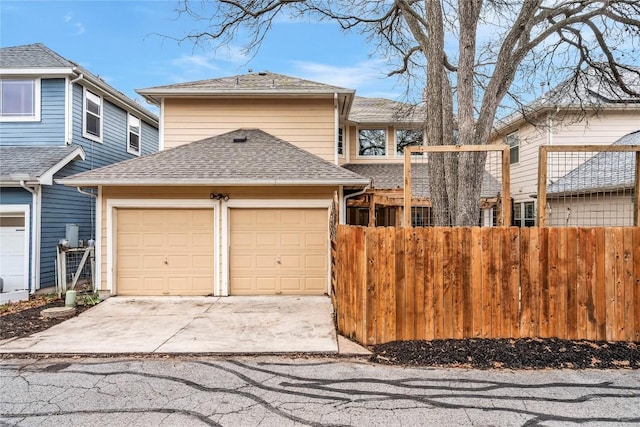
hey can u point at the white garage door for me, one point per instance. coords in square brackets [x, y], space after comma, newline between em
[13, 258]
[165, 252]
[278, 251]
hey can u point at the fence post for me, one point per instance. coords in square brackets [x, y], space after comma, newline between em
[542, 187]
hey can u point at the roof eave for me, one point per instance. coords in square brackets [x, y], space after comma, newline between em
[72, 182]
[36, 71]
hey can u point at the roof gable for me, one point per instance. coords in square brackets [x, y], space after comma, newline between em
[36, 163]
[241, 157]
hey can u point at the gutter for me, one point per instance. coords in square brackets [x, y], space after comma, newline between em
[35, 243]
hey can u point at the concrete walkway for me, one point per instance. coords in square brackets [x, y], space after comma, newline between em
[192, 325]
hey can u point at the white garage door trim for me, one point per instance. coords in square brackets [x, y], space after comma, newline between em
[22, 210]
[113, 204]
[266, 204]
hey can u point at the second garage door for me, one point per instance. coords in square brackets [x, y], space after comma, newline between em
[278, 251]
[165, 252]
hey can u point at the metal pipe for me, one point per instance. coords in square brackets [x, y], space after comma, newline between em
[343, 213]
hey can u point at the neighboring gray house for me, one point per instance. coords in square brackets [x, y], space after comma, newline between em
[599, 192]
[56, 119]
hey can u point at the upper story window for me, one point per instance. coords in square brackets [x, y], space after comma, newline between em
[19, 100]
[133, 135]
[340, 142]
[408, 138]
[372, 143]
[92, 116]
[513, 140]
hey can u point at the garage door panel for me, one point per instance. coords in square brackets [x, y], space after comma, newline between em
[164, 252]
[274, 251]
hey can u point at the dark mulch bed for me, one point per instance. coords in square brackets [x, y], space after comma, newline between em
[22, 319]
[510, 353]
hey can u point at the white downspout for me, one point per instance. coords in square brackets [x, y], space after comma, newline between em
[343, 212]
[35, 241]
[336, 125]
[69, 130]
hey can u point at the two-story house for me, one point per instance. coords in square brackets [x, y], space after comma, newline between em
[243, 210]
[587, 112]
[56, 119]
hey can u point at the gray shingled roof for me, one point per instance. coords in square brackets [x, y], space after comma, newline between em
[34, 55]
[32, 162]
[39, 56]
[262, 159]
[588, 90]
[252, 82]
[606, 171]
[390, 176]
[380, 110]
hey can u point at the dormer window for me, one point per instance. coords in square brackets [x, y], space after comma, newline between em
[19, 100]
[92, 116]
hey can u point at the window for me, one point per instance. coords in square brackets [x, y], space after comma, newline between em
[133, 138]
[407, 138]
[524, 214]
[340, 142]
[513, 141]
[372, 142]
[421, 216]
[92, 116]
[20, 100]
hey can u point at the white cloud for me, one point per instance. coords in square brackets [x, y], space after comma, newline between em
[349, 76]
[79, 28]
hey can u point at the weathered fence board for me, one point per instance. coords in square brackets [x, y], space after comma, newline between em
[441, 283]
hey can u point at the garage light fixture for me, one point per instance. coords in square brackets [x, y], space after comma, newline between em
[219, 196]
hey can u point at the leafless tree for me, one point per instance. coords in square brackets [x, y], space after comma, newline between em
[468, 53]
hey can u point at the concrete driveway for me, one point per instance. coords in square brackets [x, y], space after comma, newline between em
[191, 325]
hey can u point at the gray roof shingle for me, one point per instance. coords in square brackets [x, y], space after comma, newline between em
[606, 171]
[380, 110]
[252, 82]
[390, 176]
[262, 159]
[32, 162]
[34, 55]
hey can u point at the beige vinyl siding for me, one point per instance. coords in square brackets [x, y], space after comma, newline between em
[601, 210]
[597, 130]
[306, 123]
[176, 192]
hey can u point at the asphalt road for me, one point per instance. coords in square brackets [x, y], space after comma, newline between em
[272, 391]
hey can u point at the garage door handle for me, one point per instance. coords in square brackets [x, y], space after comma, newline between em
[166, 261]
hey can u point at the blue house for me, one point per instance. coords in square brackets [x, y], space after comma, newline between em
[56, 119]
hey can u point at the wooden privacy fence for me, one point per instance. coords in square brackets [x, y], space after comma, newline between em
[492, 282]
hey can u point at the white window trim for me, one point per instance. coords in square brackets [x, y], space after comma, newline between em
[85, 134]
[25, 210]
[386, 143]
[395, 141]
[37, 103]
[265, 203]
[129, 150]
[113, 204]
[506, 139]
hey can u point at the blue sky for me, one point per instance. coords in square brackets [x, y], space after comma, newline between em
[116, 40]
